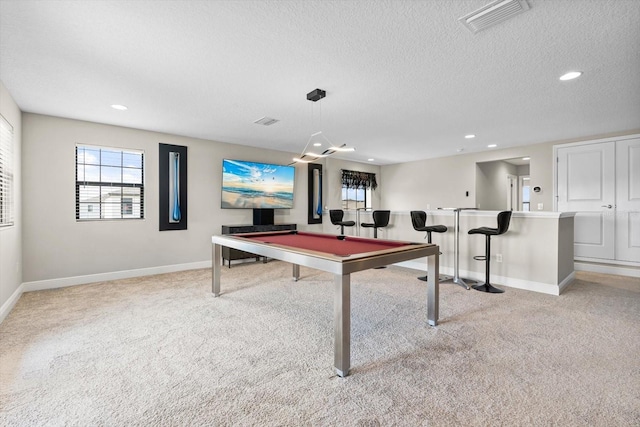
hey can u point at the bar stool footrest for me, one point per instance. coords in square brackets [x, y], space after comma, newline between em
[442, 278]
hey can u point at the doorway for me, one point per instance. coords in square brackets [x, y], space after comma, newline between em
[524, 193]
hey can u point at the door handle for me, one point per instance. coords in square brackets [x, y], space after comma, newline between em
[607, 206]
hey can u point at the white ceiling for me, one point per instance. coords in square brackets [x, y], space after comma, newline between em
[404, 79]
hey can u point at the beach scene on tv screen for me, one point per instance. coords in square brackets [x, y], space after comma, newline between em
[256, 185]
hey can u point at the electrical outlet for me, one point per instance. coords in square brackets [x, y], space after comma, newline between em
[540, 206]
[428, 206]
[498, 257]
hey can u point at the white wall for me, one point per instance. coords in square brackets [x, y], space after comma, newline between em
[523, 170]
[491, 185]
[56, 246]
[333, 183]
[11, 237]
[333, 180]
[443, 182]
[429, 184]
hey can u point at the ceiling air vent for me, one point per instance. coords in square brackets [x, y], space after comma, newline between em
[493, 13]
[267, 121]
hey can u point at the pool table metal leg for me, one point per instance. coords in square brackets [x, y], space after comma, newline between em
[296, 272]
[216, 265]
[433, 288]
[342, 323]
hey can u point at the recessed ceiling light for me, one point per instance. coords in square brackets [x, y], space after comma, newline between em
[119, 107]
[526, 158]
[470, 136]
[492, 145]
[571, 75]
[371, 160]
[317, 144]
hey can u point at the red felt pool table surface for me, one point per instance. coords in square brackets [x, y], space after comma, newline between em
[326, 243]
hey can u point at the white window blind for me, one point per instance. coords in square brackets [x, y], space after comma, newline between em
[6, 173]
[109, 183]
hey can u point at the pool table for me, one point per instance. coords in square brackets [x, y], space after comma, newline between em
[339, 255]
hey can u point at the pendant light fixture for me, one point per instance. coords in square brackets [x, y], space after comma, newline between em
[318, 138]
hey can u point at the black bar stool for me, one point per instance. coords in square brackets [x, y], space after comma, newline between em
[504, 218]
[419, 221]
[380, 220]
[336, 216]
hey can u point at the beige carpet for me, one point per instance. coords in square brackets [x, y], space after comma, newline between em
[161, 350]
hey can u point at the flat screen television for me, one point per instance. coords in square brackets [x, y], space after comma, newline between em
[253, 185]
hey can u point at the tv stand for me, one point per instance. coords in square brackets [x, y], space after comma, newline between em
[263, 216]
[230, 254]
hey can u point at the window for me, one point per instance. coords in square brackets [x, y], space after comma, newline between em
[109, 183]
[6, 173]
[356, 198]
[356, 189]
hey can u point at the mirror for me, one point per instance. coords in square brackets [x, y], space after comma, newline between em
[503, 185]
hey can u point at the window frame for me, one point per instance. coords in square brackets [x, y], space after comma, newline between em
[7, 178]
[126, 203]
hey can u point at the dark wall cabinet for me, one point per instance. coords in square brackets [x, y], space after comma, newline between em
[230, 254]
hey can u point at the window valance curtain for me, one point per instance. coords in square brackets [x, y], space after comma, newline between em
[355, 179]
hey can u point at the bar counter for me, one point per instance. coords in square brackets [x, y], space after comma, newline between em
[537, 251]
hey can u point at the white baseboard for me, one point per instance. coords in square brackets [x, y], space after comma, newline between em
[567, 281]
[619, 270]
[545, 288]
[40, 285]
[11, 302]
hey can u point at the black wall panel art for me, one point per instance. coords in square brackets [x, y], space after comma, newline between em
[315, 194]
[173, 187]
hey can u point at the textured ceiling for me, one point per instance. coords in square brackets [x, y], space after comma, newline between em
[404, 79]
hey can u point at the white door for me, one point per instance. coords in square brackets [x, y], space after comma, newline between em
[628, 200]
[586, 184]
